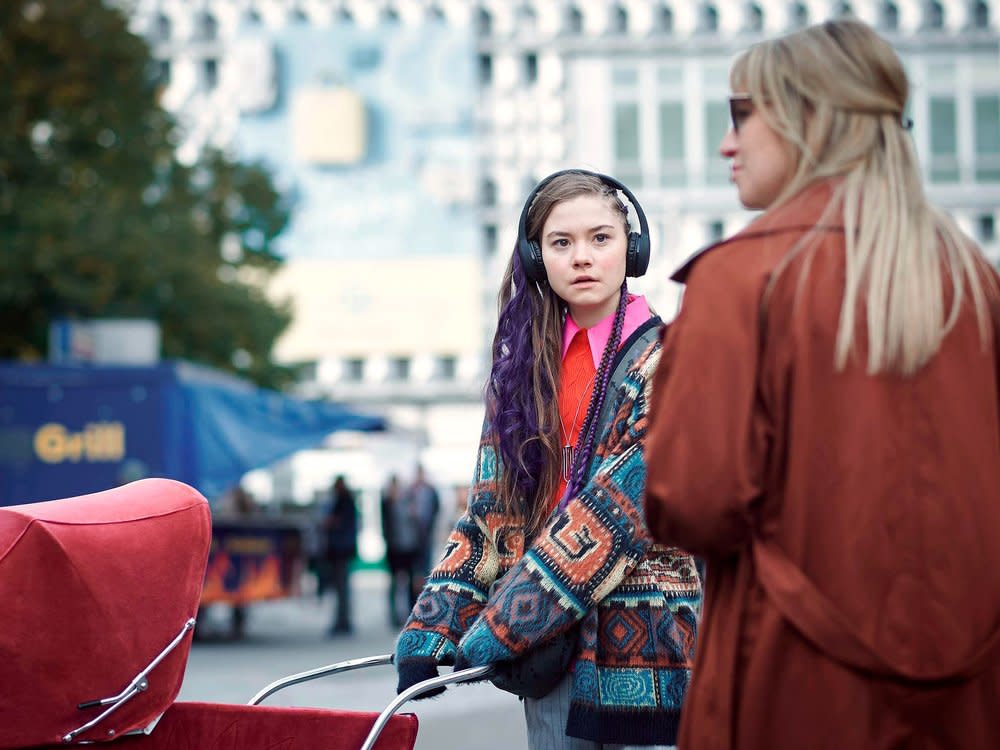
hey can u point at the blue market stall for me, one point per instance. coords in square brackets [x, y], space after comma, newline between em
[73, 429]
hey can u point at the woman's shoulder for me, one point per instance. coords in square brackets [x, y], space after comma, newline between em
[764, 243]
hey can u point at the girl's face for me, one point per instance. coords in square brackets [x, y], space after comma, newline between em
[762, 161]
[584, 242]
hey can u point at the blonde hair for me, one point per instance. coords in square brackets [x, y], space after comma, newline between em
[836, 92]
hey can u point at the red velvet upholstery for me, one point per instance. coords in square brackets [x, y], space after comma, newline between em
[92, 589]
[216, 726]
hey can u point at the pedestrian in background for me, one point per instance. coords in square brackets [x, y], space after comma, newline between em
[553, 548]
[423, 501]
[402, 534]
[341, 527]
[825, 426]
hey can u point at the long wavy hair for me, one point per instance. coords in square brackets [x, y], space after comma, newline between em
[522, 393]
[837, 92]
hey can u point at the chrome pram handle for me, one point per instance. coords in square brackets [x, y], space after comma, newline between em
[313, 674]
[454, 678]
[462, 675]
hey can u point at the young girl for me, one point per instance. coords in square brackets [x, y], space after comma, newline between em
[826, 434]
[556, 507]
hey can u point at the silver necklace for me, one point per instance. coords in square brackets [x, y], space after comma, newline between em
[569, 451]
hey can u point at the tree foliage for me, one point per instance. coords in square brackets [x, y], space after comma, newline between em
[98, 218]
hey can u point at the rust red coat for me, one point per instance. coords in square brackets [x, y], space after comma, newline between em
[850, 524]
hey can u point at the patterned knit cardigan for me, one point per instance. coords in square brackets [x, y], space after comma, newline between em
[593, 563]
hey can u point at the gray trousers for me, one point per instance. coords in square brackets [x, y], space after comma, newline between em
[546, 718]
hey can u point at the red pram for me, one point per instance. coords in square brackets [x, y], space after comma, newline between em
[99, 594]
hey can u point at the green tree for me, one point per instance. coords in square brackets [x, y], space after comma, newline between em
[98, 218]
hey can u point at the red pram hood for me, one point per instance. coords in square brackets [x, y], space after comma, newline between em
[93, 588]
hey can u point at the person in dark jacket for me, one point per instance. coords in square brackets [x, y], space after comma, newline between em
[402, 534]
[341, 528]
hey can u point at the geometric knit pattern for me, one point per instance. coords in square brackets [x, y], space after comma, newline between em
[595, 564]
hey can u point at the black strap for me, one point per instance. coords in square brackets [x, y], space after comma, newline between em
[625, 358]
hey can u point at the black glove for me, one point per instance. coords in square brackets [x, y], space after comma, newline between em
[462, 663]
[417, 669]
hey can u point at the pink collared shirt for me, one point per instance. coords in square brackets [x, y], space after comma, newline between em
[636, 313]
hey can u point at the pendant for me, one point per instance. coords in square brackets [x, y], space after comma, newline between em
[567, 462]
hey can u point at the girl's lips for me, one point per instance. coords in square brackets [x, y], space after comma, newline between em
[585, 280]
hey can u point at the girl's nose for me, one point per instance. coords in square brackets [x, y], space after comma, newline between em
[581, 254]
[728, 145]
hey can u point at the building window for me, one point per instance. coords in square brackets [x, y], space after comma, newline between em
[716, 231]
[365, 58]
[399, 368]
[664, 20]
[489, 239]
[354, 369]
[708, 18]
[672, 142]
[389, 16]
[527, 21]
[716, 126]
[345, 16]
[755, 18]
[530, 67]
[162, 72]
[619, 20]
[986, 228]
[626, 147]
[485, 70]
[446, 367]
[299, 18]
[484, 22]
[933, 15]
[161, 28]
[435, 14]
[980, 15]
[252, 18]
[799, 15]
[987, 122]
[207, 27]
[488, 192]
[944, 142]
[210, 71]
[574, 20]
[889, 16]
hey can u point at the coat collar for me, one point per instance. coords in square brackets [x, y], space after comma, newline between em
[801, 213]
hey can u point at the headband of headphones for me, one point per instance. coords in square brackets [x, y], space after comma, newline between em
[637, 254]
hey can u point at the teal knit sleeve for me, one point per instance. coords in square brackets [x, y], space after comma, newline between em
[458, 587]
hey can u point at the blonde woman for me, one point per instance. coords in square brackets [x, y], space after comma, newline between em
[825, 428]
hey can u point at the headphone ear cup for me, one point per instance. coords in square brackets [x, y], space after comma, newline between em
[631, 253]
[537, 264]
[637, 258]
[531, 260]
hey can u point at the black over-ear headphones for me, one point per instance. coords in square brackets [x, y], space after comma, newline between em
[637, 254]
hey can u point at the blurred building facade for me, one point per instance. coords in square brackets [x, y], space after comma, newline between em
[505, 92]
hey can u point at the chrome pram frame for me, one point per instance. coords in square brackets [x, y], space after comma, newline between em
[474, 674]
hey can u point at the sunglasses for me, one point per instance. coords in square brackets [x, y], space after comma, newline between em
[740, 110]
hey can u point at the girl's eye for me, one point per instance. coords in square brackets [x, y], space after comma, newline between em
[560, 243]
[602, 238]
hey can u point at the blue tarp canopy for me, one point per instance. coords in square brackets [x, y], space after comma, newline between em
[72, 429]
